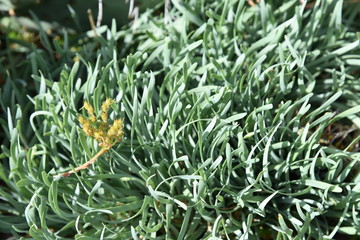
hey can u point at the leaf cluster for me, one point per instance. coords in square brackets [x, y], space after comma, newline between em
[239, 122]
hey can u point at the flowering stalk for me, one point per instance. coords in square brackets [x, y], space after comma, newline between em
[99, 129]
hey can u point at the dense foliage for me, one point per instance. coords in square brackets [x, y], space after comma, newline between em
[241, 121]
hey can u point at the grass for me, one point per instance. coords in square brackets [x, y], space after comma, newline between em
[240, 122]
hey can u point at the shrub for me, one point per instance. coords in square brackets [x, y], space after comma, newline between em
[240, 122]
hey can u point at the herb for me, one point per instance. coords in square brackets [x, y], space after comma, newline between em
[106, 135]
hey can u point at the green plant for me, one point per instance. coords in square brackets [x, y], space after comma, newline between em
[228, 113]
[106, 135]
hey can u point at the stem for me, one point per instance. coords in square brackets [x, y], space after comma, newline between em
[85, 165]
[92, 23]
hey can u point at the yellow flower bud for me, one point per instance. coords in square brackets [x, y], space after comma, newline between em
[111, 132]
[115, 130]
[88, 108]
[104, 116]
[98, 135]
[106, 104]
[81, 119]
[92, 118]
[88, 129]
[118, 123]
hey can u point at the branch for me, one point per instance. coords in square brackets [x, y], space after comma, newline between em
[85, 165]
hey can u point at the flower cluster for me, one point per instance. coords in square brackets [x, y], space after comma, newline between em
[99, 129]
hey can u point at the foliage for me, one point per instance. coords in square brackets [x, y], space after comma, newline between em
[56, 15]
[240, 122]
[105, 134]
